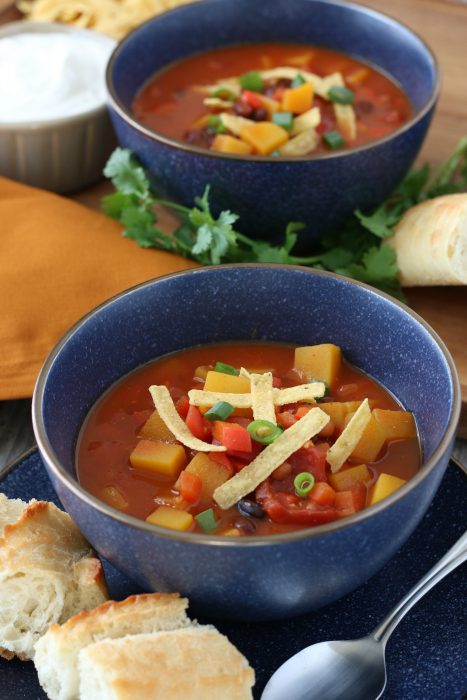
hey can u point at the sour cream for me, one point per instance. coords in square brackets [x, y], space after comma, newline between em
[50, 75]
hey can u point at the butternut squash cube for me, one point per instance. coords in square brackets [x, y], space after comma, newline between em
[338, 410]
[397, 425]
[212, 475]
[229, 144]
[174, 519]
[384, 486]
[319, 362]
[346, 479]
[265, 137]
[228, 383]
[157, 456]
[156, 429]
[370, 444]
[299, 99]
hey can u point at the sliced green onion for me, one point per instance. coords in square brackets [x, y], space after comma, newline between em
[220, 411]
[297, 81]
[303, 484]
[276, 153]
[215, 124]
[283, 119]
[333, 139]
[225, 369]
[341, 95]
[264, 431]
[252, 81]
[206, 520]
[224, 94]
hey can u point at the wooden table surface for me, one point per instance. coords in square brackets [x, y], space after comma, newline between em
[443, 25]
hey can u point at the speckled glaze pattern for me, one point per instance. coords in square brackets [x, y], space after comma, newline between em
[267, 194]
[263, 578]
[426, 654]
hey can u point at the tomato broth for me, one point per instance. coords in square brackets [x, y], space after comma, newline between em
[364, 104]
[114, 427]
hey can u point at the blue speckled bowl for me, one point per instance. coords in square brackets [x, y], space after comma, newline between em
[267, 193]
[261, 577]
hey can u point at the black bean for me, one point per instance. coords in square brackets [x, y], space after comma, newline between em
[259, 114]
[199, 137]
[244, 525]
[242, 109]
[250, 508]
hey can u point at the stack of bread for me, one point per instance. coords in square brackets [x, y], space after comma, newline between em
[54, 610]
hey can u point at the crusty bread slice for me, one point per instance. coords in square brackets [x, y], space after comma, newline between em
[56, 656]
[195, 663]
[48, 572]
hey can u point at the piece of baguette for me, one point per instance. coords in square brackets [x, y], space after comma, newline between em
[195, 663]
[430, 242]
[56, 654]
[48, 572]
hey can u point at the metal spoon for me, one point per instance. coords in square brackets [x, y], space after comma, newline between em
[355, 669]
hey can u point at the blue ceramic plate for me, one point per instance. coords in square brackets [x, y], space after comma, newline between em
[426, 654]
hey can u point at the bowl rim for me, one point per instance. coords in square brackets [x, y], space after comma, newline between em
[71, 482]
[117, 105]
[29, 26]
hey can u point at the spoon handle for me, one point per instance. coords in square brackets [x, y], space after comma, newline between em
[452, 559]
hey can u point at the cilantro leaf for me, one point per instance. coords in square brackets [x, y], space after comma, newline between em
[126, 174]
[380, 222]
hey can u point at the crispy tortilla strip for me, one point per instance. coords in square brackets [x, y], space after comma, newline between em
[262, 395]
[217, 103]
[167, 411]
[270, 458]
[291, 73]
[234, 123]
[306, 121]
[349, 438]
[431, 242]
[345, 114]
[302, 392]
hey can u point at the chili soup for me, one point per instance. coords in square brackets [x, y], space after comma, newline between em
[246, 439]
[272, 100]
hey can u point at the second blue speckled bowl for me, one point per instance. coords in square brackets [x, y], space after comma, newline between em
[268, 193]
[257, 577]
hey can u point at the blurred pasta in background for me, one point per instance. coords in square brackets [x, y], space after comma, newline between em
[113, 17]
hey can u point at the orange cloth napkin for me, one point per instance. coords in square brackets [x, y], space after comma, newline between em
[58, 260]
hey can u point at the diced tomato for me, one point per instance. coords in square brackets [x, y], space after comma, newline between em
[239, 420]
[344, 503]
[252, 99]
[286, 419]
[281, 510]
[310, 459]
[359, 496]
[233, 436]
[278, 94]
[182, 406]
[277, 383]
[197, 425]
[323, 494]
[190, 486]
[302, 411]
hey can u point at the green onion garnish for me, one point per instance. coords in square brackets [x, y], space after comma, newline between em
[297, 81]
[252, 81]
[303, 484]
[333, 139]
[341, 95]
[220, 411]
[215, 124]
[206, 520]
[224, 94]
[225, 369]
[264, 431]
[283, 119]
[276, 153]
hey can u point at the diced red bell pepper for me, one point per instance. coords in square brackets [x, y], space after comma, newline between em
[232, 436]
[190, 486]
[286, 419]
[182, 406]
[197, 424]
[252, 99]
[221, 458]
[323, 494]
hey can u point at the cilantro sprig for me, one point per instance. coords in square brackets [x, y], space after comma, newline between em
[355, 250]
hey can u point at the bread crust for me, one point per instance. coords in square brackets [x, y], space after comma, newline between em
[42, 550]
